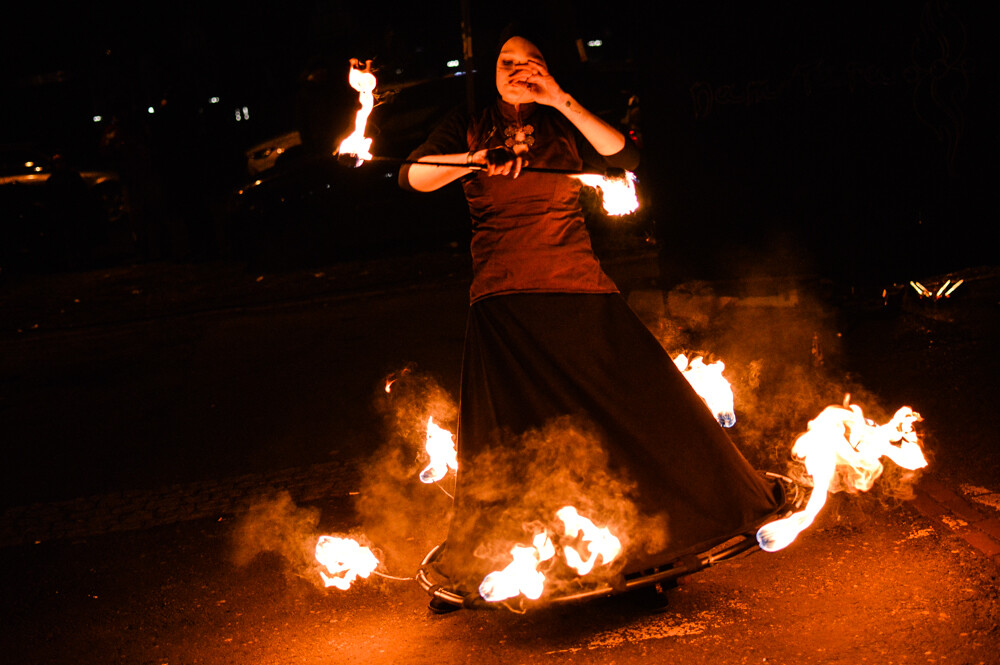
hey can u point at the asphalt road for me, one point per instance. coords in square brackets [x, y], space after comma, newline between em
[171, 463]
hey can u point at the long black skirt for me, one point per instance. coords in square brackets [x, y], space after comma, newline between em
[568, 399]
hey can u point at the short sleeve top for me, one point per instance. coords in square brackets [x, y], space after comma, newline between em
[528, 233]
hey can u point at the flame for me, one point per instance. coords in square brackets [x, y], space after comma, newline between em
[362, 80]
[345, 559]
[440, 446]
[522, 576]
[600, 542]
[708, 382]
[617, 192]
[841, 449]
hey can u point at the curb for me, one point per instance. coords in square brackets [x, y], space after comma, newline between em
[952, 514]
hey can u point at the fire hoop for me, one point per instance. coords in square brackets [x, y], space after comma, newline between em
[685, 564]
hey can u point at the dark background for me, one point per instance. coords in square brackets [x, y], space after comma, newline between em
[851, 139]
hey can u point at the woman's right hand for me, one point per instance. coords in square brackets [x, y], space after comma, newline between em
[498, 161]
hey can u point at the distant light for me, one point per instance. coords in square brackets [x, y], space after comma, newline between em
[98, 118]
[453, 64]
[239, 116]
[595, 43]
[213, 100]
[28, 164]
[242, 114]
[246, 113]
[150, 109]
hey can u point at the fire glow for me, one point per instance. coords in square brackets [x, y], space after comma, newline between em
[345, 561]
[618, 193]
[708, 382]
[841, 450]
[440, 446]
[357, 144]
[523, 577]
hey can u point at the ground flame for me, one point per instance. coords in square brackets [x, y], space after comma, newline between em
[599, 541]
[345, 561]
[362, 80]
[522, 576]
[708, 382]
[842, 450]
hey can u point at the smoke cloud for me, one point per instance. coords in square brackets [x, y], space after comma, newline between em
[782, 348]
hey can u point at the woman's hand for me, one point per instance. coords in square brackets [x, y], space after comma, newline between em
[542, 88]
[498, 161]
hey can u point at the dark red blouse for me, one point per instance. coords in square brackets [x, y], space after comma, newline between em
[528, 233]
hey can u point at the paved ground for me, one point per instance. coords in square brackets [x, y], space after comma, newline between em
[217, 569]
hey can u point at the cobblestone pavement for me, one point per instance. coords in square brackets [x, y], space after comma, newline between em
[131, 510]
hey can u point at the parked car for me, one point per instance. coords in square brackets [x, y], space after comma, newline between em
[53, 215]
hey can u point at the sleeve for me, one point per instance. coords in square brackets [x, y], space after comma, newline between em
[449, 137]
[627, 158]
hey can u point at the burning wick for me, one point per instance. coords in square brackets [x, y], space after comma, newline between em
[357, 145]
[345, 559]
[522, 577]
[600, 542]
[708, 382]
[842, 440]
[617, 188]
[440, 445]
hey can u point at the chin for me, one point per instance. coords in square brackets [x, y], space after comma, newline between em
[516, 97]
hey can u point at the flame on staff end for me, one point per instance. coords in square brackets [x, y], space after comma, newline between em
[617, 190]
[841, 449]
[357, 144]
[440, 446]
[345, 560]
[708, 382]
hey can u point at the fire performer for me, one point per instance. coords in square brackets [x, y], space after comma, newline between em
[548, 333]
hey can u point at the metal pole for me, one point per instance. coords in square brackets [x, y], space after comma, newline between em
[467, 55]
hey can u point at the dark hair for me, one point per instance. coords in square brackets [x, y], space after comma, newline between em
[532, 34]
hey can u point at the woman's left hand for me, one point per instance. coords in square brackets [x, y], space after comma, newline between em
[541, 85]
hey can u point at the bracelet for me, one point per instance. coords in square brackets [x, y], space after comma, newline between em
[468, 157]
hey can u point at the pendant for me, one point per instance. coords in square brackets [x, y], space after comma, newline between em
[519, 138]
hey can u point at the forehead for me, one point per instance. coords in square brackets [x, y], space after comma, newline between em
[520, 47]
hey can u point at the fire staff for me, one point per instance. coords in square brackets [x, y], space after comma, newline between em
[549, 335]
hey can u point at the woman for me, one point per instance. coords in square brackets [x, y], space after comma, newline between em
[550, 337]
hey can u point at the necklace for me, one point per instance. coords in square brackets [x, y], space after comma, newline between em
[519, 137]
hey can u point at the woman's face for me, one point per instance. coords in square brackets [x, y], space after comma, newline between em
[513, 69]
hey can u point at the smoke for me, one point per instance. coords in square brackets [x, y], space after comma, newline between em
[782, 348]
[274, 524]
[513, 491]
[405, 516]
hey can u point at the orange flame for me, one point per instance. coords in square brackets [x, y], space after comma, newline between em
[362, 80]
[345, 560]
[522, 577]
[708, 382]
[441, 447]
[617, 193]
[842, 440]
[601, 543]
